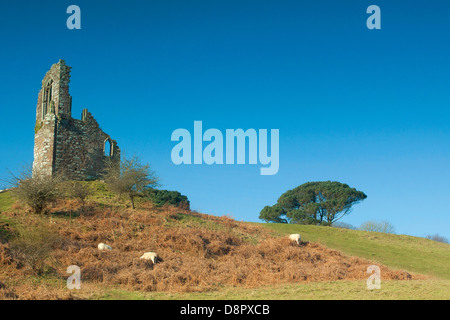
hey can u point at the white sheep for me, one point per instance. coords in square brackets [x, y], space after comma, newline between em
[295, 237]
[103, 246]
[150, 256]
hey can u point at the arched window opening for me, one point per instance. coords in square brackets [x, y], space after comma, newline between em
[107, 148]
[47, 98]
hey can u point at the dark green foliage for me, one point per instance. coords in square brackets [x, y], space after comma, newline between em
[273, 214]
[317, 203]
[162, 197]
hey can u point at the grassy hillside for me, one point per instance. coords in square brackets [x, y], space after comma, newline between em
[207, 257]
[414, 254]
[6, 201]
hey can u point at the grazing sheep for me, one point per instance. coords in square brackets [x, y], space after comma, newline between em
[295, 237]
[150, 256]
[103, 246]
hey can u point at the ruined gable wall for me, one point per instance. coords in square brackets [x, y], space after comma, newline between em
[74, 148]
[59, 75]
[45, 126]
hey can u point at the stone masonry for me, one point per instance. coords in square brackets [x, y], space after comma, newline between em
[77, 149]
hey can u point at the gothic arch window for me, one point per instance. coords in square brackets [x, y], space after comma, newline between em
[47, 98]
[108, 148]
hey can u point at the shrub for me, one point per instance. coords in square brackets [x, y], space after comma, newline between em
[343, 225]
[438, 238]
[129, 177]
[36, 190]
[374, 226]
[33, 245]
[162, 197]
[80, 190]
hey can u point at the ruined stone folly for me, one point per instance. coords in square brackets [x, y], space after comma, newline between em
[77, 149]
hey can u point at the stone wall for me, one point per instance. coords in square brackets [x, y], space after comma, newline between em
[63, 145]
[44, 145]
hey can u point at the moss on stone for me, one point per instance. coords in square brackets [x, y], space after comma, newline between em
[37, 127]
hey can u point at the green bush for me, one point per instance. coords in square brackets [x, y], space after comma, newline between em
[162, 197]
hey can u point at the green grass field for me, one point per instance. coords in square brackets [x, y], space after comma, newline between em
[336, 290]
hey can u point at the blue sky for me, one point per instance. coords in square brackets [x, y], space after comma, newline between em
[366, 107]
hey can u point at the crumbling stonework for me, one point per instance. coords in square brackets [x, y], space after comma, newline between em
[77, 149]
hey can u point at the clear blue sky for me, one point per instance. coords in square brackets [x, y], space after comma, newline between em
[370, 108]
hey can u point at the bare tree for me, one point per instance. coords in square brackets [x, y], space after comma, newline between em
[437, 237]
[80, 190]
[130, 177]
[373, 226]
[33, 245]
[343, 225]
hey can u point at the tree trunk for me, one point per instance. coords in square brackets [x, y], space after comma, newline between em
[132, 201]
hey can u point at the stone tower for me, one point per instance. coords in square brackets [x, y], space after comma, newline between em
[77, 149]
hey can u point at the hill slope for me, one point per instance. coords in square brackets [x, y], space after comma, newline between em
[199, 253]
[413, 254]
